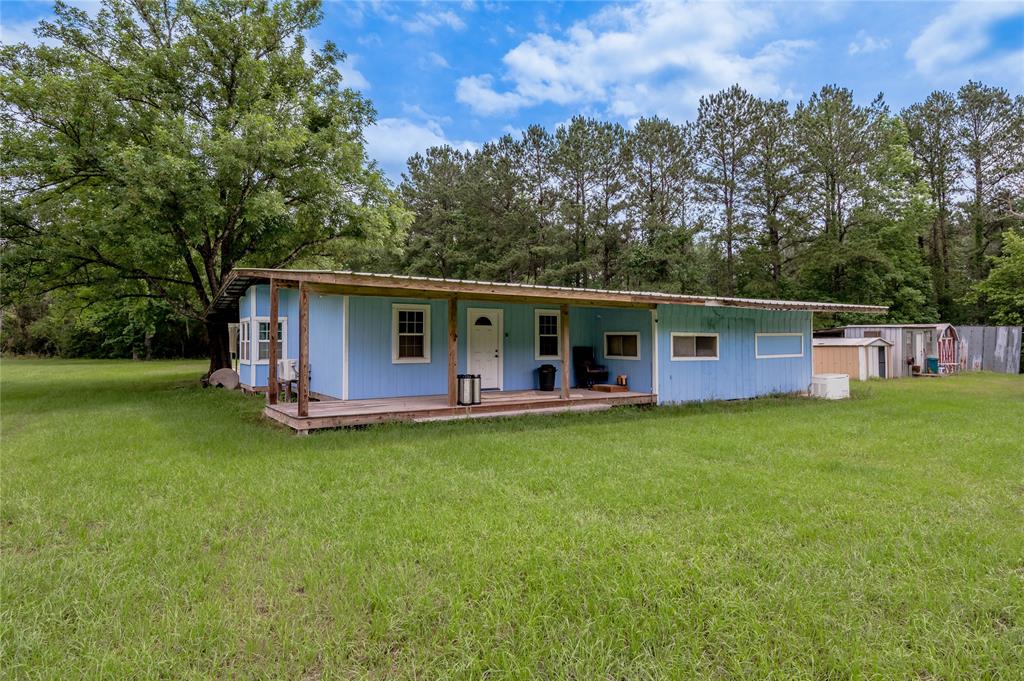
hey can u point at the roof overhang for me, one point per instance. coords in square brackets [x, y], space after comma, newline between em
[849, 342]
[368, 284]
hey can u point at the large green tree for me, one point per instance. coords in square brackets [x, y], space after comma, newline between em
[1003, 290]
[991, 135]
[659, 205]
[773, 186]
[932, 130]
[725, 141]
[154, 146]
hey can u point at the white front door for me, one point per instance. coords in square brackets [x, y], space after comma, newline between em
[919, 349]
[484, 346]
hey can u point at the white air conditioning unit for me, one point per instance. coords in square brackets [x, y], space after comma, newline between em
[830, 386]
[287, 370]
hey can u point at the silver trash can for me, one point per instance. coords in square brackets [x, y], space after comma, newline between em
[468, 389]
[476, 388]
[464, 391]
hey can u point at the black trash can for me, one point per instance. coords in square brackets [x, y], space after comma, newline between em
[546, 377]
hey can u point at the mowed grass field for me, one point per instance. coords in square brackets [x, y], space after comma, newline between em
[151, 528]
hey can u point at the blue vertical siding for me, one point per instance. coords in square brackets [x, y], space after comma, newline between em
[326, 326]
[606, 320]
[737, 373]
[784, 374]
[371, 371]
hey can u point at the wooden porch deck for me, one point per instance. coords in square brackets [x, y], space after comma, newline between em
[339, 413]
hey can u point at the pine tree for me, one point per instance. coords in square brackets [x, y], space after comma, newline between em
[773, 186]
[931, 126]
[991, 131]
[725, 123]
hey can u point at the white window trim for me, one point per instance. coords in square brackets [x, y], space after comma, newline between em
[672, 347]
[256, 338]
[395, 359]
[636, 334]
[536, 333]
[757, 350]
[245, 338]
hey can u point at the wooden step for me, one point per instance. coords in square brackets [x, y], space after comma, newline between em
[609, 388]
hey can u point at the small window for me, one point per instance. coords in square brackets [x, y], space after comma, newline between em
[263, 344]
[548, 334]
[410, 341]
[872, 334]
[483, 321]
[778, 345]
[694, 346]
[622, 345]
[243, 340]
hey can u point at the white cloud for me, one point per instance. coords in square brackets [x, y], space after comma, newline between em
[652, 57]
[433, 59]
[391, 141]
[350, 75]
[417, 111]
[866, 44]
[954, 44]
[478, 92]
[370, 40]
[426, 22]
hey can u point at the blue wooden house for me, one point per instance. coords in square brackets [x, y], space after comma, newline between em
[369, 348]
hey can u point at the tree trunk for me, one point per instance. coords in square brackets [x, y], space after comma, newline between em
[219, 345]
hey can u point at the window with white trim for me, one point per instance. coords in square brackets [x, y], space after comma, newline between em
[263, 339]
[410, 333]
[547, 334]
[778, 345]
[694, 346]
[243, 340]
[622, 345]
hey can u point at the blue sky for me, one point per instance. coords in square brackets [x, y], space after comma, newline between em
[466, 72]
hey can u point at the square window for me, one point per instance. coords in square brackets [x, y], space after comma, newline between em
[410, 334]
[548, 334]
[622, 345]
[263, 340]
[694, 346]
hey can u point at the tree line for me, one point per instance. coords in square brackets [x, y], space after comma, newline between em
[828, 199]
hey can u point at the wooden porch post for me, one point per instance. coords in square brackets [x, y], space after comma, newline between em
[564, 311]
[453, 345]
[303, 349]
[272, 384]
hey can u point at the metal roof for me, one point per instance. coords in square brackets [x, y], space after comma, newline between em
[833, 342]
[936, 325]
[368, 283]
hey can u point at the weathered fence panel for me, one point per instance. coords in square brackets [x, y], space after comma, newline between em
[992, 348]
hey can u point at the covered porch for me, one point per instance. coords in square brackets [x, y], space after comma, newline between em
[343, 413]
[373, 389]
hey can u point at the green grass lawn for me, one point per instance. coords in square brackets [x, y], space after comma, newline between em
[154, 529]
